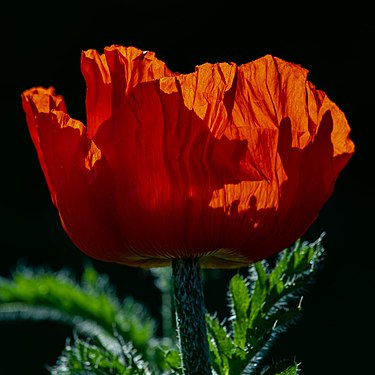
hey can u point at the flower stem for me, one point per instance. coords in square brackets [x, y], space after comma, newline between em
[190, 316]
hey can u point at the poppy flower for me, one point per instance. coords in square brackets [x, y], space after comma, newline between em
[230, 163]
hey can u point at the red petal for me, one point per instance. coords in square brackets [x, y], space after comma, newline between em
[78, 176]
[112, 75]
[229, 163]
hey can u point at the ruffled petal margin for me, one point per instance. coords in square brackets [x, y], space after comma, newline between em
[229, 163]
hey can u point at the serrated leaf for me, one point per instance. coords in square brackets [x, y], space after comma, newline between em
[172, 360]
[278, 274]
[240, 302]
[87, 357]
[282, 368]
[268, 306]
[220, 344]
[259, 293]
[33, 294]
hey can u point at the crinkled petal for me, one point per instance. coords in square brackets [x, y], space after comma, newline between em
[229, 163]
[207, 166]
[111, 76]
[78, 175]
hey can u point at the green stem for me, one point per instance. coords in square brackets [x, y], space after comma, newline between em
[190, 316]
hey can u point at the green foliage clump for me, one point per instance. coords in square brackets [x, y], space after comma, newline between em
[262, 305]
[113, 336]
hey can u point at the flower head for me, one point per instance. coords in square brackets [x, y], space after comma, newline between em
[229, 163]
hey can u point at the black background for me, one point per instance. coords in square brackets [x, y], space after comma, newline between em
[41, 45]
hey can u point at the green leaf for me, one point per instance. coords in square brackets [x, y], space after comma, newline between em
[220, 345]
[42, 294]
[282, 368]
[91, 357]
[263, 306]
[240, 302]
[91, 307]
[172, 361]
[259, 291]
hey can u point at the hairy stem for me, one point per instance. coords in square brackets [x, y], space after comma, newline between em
[190, 316]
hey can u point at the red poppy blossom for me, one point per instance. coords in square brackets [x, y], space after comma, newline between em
[230, 163]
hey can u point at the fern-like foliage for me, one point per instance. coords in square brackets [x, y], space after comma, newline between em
[91, 357]
[90, 306]
[118, 337]
[262, 305]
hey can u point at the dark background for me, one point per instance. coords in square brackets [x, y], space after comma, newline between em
[41, 45]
